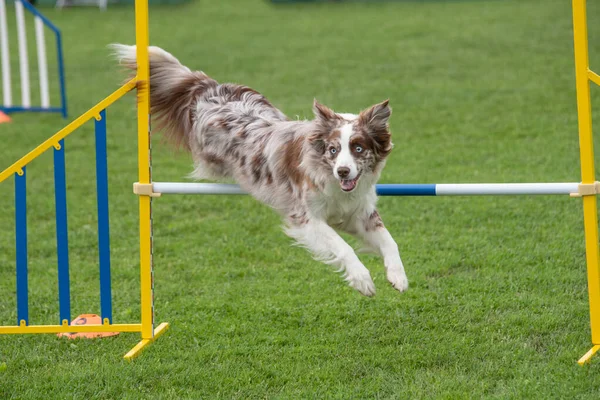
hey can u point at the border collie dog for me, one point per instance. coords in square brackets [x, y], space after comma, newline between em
[319, 175]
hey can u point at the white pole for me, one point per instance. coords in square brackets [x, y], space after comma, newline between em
[452, 189]
[23, 60]
[42, 62]
[6, 89]
[476, 189]
[196, 188]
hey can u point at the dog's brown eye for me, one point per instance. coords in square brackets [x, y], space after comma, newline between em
[358, 149]
[333, 150]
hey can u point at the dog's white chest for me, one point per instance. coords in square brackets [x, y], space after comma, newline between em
[340, 209]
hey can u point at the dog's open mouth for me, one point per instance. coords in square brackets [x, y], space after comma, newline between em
[348, 185]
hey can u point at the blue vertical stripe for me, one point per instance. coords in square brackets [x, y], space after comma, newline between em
[103, 230]
[62, 238]
[21, 239]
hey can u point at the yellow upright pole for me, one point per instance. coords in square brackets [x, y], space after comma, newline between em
[145, 202]
[588, 176]
[145, 177]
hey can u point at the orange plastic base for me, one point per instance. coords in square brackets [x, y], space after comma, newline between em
[4, 118]
[87, 319]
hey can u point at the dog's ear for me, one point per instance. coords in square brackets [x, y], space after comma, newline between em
[323, 113]
[375, 119]
[325, 119]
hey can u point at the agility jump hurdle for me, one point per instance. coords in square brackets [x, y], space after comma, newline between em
[588, 188]
[26, 105]
[146, 189]
[18, 171]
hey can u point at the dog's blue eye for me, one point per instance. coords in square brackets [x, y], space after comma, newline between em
[358, 149]
[333, 150]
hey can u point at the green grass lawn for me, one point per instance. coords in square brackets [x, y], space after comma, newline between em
[482, 91]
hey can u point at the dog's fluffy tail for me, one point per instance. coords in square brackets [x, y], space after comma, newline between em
[174, 90]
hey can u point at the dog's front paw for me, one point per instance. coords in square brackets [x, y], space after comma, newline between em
[361, 281]
[397, 278]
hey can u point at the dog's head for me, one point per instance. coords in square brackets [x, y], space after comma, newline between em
[351, 146]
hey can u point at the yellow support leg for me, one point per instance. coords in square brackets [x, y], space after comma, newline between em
[133, 353]
[586, 358]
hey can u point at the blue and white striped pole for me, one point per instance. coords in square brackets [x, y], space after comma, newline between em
[398, 189]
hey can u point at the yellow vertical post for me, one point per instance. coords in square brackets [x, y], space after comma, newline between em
[588, 176]
[149, 334]
[145, 202]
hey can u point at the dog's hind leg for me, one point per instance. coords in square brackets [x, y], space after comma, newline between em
[329, 247]
[371, 230]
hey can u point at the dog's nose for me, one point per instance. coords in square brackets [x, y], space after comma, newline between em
[343, 172]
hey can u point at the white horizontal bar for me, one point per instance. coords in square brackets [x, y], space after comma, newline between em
[196, 188]
[471, 189]
[445, 189]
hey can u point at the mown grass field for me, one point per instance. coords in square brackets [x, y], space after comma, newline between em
[482, 91]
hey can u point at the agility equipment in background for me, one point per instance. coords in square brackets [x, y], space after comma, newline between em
[18, 171]
[102, 4]
[27, 103]
[588, 189]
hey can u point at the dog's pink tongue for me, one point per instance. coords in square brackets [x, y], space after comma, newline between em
[348, 184]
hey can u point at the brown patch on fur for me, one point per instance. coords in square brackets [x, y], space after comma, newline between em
[257, 163]
[292, 158]
[236, 92]
[334, 135]
[363, 140]
[317, 142]
[172, 106]
[262, 140]
[221, 123]
[320, 138]
[310, 184]
[373, 222]
[323, 112]
[213, 159]
[299, 218]
[269, 178]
